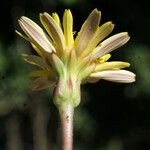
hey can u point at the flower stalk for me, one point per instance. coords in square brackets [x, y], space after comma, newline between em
[66, 116]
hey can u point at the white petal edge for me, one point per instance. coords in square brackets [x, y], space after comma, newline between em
[110, 44]
[119, 76]
[36, 34]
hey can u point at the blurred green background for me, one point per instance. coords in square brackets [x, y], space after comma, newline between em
[111, 116]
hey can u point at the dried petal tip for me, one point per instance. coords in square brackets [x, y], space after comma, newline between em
[96, 11]
[87, 31]
[40, 84]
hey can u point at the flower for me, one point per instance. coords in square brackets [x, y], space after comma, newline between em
[67, 61]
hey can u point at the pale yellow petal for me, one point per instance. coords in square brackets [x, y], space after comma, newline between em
[101, 32]
[111, 66]
[35, 60]
[110, 44]
[39, 52]
[119, 76]
[57, 19]
[83, 62]
[87, 31]
[103, 58]
[53, 30]
[36, 34]
[68, 29]
[23, 36]
[83, 74]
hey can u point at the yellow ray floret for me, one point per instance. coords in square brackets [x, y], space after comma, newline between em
[68, 29]
[111, 66]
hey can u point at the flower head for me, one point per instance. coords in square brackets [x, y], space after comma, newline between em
[67, 60]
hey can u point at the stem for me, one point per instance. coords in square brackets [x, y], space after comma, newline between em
[66, 116]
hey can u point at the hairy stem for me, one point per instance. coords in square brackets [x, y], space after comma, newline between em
[66, 117]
